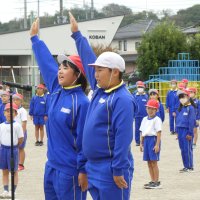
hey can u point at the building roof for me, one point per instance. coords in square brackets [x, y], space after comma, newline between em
[135, 30]
[191, 30]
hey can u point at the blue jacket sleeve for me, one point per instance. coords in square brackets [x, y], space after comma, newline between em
[122, 125]
[192, 120]
[87, 56]
[81, 159]
[198, 110]
[167, 100]
[31, 107]
[46, 63]
[162, 112]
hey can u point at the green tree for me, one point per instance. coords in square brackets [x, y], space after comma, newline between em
[194, 47]
[158, 46]
[115, 9]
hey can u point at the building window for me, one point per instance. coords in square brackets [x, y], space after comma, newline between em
[125, 45]
[120, 45]
[137, 45]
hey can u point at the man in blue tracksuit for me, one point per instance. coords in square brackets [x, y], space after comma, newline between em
[170, 104]
[185, 123]
[141, 99]
[65, 176]
[108, 127]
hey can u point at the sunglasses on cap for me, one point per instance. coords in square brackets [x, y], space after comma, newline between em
[153, 93]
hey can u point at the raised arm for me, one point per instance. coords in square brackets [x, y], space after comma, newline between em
[85, 51]
[46, 62]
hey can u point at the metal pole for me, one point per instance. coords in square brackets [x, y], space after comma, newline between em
[92, 9]
[25, 14]
[61, 12]
[12, 162]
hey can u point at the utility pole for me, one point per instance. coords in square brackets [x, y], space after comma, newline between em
[25, 14]
[92, 9]
[61, 12]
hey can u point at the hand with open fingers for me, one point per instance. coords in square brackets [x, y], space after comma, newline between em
[120, 182]
[34, 28]
[73, 22]
[83, 181]
[188, 137]
[156, 149]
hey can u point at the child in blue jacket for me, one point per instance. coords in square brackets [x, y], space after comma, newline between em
[108, 130]
[38, 113]
[193, 92]
[170, 104]
[141, 99]
[153, 94]
[65, 175]
[185, 123]
[5, 99]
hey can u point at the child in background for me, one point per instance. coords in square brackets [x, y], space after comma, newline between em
[185, 83]
[185, 122]
[151, 128]
[141, 99]
[5, 99]
[38, 113]
[21, 118]
[153, 94]
[5, 148]
[193, 92]
[170, 104]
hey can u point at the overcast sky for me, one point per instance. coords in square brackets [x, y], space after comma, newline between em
[10, 9]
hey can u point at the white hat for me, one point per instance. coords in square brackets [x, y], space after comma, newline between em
[110, 60]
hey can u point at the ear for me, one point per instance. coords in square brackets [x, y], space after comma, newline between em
[116, 72]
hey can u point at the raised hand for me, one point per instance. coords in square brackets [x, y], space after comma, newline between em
[34, 28]
[73, 22]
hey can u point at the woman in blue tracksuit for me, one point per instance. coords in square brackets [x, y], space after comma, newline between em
[141, 99]
[153, 94]
[170, 104]
[65, 177]
[193, 92]
[185, 123]
[108, 127]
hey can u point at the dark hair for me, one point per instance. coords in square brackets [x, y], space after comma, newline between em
[192, 103]
[120, 74]
[81, 80]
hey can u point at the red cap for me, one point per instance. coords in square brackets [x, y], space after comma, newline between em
[18, 96]
[184, 80]
[140, 84]
[7, 106]
[152, 103]
[181, 86]
[186, 91]
[5, 93]
[74, 59]
[192, 89]
[41, 86]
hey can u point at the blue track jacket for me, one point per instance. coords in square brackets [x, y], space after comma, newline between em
[66, 116]
[108, 130]
[186, 118]
[171, 100]
[141, 101]
[161, 112]
[38, 106]
[197, 109]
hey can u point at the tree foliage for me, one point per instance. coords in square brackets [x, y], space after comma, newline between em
[115, 9]
[194, 47]
[158, 46]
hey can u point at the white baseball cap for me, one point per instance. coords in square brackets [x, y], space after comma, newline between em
[110, 60]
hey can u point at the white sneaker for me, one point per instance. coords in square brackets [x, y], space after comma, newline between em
[5, 195]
